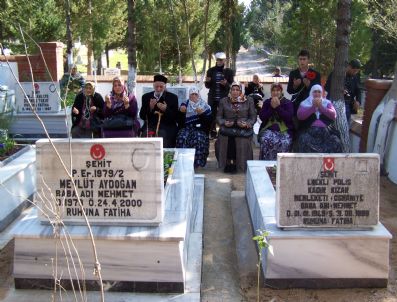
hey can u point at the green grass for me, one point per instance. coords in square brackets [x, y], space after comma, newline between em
[119, 55]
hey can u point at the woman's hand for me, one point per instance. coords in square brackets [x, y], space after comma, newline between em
[229, 123]
[92, 109]
[182, 108]
[75, 110]
[126, 102]
[243, 124]
[275, 102]
[317, 102]
[108, 102]
[199, 110]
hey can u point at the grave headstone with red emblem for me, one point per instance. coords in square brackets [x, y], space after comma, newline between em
[43, 97]
[110, 181]
[327, 190]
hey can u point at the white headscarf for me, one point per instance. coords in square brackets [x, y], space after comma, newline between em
[192, 106]
[308, 102]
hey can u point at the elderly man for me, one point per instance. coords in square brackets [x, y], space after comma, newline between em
[218, 81]
[160, 112]
[352, 91]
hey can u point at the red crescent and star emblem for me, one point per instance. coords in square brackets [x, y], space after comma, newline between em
[97, 152]
[329, 164]
[36, 87]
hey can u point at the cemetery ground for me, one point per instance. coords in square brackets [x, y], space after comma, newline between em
[221, 278]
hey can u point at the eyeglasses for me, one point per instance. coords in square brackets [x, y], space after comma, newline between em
[317, 91]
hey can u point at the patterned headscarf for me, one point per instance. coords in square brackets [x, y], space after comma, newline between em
[241, 98]
[113, 93]
[192, 106]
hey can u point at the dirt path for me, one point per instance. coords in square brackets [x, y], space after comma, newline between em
[249, 63]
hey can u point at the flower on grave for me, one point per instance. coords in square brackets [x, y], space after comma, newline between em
[1, 146]
[311, 75]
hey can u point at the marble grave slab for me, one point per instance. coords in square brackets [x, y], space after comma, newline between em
[133, 258]
[118, 181]
[313, 258]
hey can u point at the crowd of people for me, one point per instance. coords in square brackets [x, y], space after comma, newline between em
[304, 123]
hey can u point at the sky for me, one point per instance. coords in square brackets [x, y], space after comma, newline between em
[246, 2]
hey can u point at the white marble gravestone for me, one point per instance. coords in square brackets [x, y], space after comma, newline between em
[151, 259]
[327, 190]
[118, 181]
[310, 257]
[112, 72]
[42, 95]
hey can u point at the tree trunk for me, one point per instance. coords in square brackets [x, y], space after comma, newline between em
[131, 47]
[229, 32]
[3, 8]
[189, 41]
[177, 43]
[99, 65]
[90, 40]
[69, 39]
[205, 54]
[107, 56]
[343, 23]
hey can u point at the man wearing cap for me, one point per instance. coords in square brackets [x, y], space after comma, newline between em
[352, 91]
[160, 112]
[87, 111]
[218, 81]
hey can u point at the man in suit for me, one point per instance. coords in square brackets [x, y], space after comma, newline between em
[160, 113]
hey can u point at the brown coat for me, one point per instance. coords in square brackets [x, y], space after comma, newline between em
[244, 150]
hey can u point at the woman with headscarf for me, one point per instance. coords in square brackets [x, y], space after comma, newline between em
[120, 112]
[87, 113]
[275, 133]
[317, 114]
[195, 122]
[236, 117]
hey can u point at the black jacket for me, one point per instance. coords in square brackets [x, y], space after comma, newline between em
[254, 88]
[211, 85]
[352, 86]
[301, 92]
[97, 101]
[169, 117]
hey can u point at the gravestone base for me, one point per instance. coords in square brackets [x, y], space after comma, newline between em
[17, 178]
[314, 258]
[160, 259]
[25, 126]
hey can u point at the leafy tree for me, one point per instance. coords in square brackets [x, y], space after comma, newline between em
[44, 22]
[384, 36]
